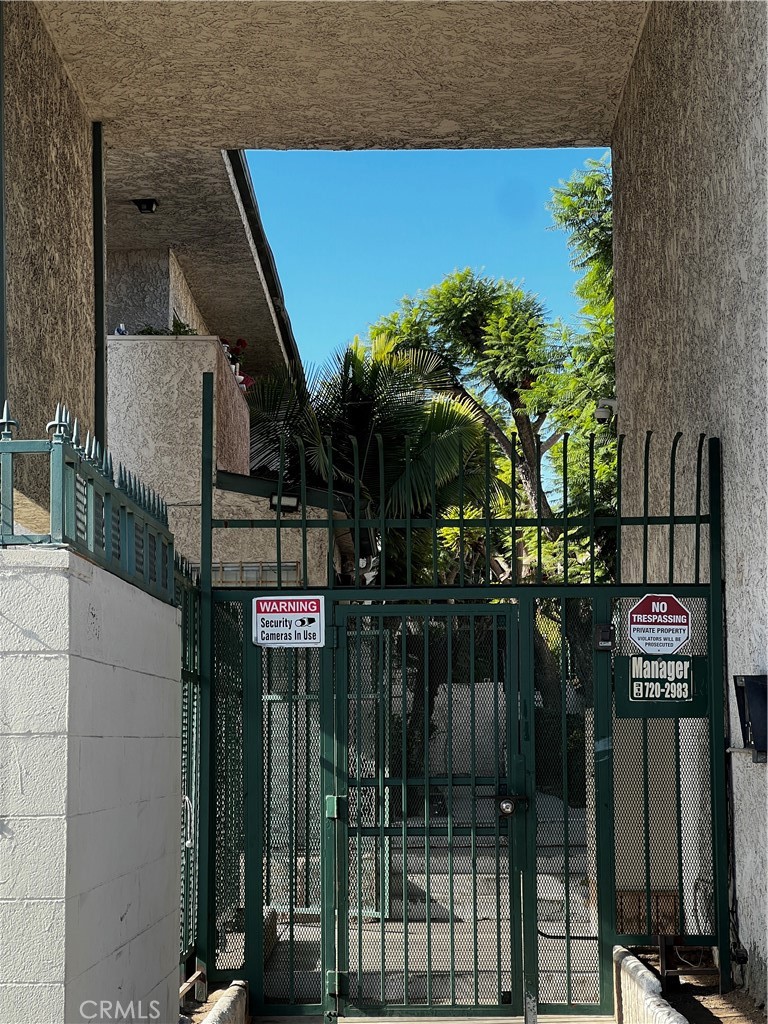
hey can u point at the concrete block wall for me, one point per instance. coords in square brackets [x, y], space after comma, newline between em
[89, 791]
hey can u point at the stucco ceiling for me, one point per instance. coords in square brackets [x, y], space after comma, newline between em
[198, 216]
[348, 74]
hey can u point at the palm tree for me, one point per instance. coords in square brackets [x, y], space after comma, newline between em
[373, 420]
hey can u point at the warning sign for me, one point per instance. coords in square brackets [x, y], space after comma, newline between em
[289, 621]
[659, 624]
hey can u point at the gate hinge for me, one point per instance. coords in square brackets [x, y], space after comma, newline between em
[335, 806]
[332, 637]
[337, 983]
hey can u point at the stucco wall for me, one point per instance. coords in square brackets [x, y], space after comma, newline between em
[49, 234]
[155, 427]
[144, 287]
[182, 301]
[689, 150]
[89, 790]
[138, 289]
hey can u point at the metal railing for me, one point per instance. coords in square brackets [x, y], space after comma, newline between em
[112, 519]
[188, 601]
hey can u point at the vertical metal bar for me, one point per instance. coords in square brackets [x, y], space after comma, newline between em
[404, 794]
[449, 770]
[461, 513]
[603, 754]
[382, 514]
[205, 838]
[525, 735]
[487, 512]
[332, 695]
[307, 657]
[99, 282]
[646, 485]
[303, 498]
[619, 451]
[253, 745]
[427, 840]
[564, 770]
[384, 707]
[408, 532]
[647, 832]
[717, 717]
[268, 746]
[356, 494]
[565, 508]
[539, 539]
[591, 508]
[290, 706]
[679, 831]
[279, 515]
[433, 499]
[57, 485]
[672, 460]
[498, 622]
[513, 509]
[697, 535]
[341, 786]
[3, 273]
[6, 497]
[331, 533]
[473, 775]
[359, 773]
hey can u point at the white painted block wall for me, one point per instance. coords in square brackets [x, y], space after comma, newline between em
[89, 791]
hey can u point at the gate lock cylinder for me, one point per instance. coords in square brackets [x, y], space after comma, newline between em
[509, 804]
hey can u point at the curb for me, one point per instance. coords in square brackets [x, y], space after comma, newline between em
[637, 991]
[231, 1007]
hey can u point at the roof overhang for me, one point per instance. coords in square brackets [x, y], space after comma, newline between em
[344, 74]
[208, 216]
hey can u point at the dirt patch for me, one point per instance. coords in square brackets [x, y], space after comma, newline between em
[699, 1001]
[195, 1013]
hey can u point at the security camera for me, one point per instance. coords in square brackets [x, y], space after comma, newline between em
[606, 410]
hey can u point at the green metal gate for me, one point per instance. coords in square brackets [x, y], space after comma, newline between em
[448, 808]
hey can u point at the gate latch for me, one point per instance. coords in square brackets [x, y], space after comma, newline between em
[337, 983]
[335, 806]
[511, 802]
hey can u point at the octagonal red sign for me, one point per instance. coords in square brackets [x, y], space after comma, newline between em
[659, 624]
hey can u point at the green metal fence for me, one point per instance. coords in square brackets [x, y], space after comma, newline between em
[360, 859]
[187, 596]
[111, 518]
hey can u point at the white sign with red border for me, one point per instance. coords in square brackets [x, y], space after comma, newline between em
[289, 621]
[659, 624]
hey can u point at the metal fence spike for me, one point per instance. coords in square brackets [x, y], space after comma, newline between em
[76, 434]
[7, 423]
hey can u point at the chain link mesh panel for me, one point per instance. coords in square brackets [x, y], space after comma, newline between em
[228, 809]
[292, 822]
[662, 809]
[429, 893]
[566, 853]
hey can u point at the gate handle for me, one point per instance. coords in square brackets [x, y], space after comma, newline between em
[508, 804]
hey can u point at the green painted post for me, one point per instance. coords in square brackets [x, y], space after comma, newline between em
[205, 930]
[717, 713]
[603, 754]
[527, 693]
[253, 753]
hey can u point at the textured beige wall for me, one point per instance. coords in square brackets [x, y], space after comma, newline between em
[182, 301]
[138, 289]
[155, 428]
[49, 235]
[690, 247]
[350, 75]
[144, 287]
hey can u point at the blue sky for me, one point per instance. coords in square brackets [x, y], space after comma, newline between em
[353, 232]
